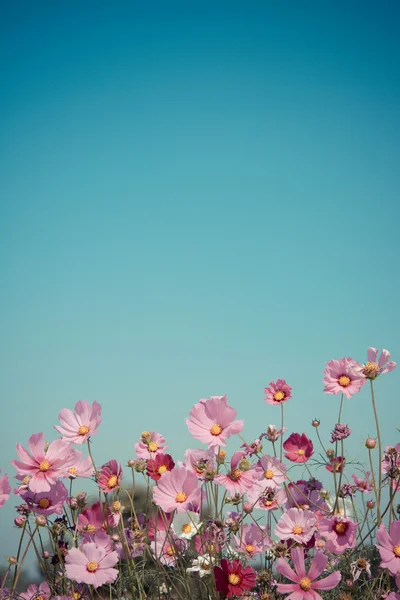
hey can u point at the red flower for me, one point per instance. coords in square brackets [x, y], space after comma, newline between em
[158, 465]
[336, 464]
[232, 579]
[299, 448]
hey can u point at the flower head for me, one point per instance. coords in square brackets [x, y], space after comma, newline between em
[298, 448]
[91, 519]
[252, 540]
[270, 470]
[266, 498]
[343, 376]
[5, 489]
[36, 592]
[339, 532]
[273, 434]
[81, 467]
[202, 565]
[199, 461]
[47, 503]
[151, 443]
[278, 392]
[186, 524]
[389, 547]
[232, 578]
[79, 426]
[304, 585]
[359, 566]
[302, 495]
[91, 564]
[363, 485]
[296, 524]
[159, 465]
[177, 489]
[340, 432]
[109, 478]
[336, 464]
[212, 421]
[373, 369]
[237, 480]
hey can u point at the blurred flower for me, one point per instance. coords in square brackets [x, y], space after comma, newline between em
[372, 369]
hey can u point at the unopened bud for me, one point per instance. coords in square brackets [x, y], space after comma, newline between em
[12, 560]
[248, 508]
[370, 443]
[131, 463]
[316, 423]
[20, 521]
[370, 504]
[41, 520]
[324, 494]
[46, 554]
[330, 453]
[221, 456]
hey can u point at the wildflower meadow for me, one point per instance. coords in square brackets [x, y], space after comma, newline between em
[258, 523]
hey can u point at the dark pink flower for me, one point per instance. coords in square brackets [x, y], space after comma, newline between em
[79, 426]
[389, 547]
[277, 392]
[339, 533]
[109, 478]
[237, 480]
[5, 489]
[91, 519]
[151, 443]
[159, 465]
[91, 565]
[47, 503]
[340, 432]
[212, 421]
[363, 485]
[336, 463]
[298, 448]
[177, 490]
[198, 460]
[232, 578]
[304, 585]
[372, 369]
[343, 376]
[296, 524]
[46, 464]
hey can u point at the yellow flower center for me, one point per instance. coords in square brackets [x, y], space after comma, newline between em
[371, 370]
[92, 566]
[44, 503]
[112, 482]
[25, 480]
[153, 447]
[44, 466]
[279, 396]
[216, 429]
[362, 563]
[234, 579]
[180, 497]
[83, 430]
[305, 584]
[73, 470]
[162, 469]
[186, 528]
[91, 528]
[76, 595]
[249, 548]
[235, 474]
[222, 454]
[269, 474]
[171, 551]
[205, 566]
[38, 597]
[344, 381]
[301, 452]
[396, 550]
[116, 506]
[340, 528]
[297, 530]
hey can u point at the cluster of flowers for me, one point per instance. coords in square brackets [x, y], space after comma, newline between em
[280, 527]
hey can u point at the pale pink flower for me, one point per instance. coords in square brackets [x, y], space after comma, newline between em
[79, 426]
[343, 376]
[151, 443]
[44, 466]
[167, 547]
[389, 547]
[199, 460]
[109, 477]
[266, 498]
[339, 532]
[296, 524]
[363, 485]
[273, 434]
[237, 480]
[298, 448]
[372, 369]
[212, 421]
[177, 489]
[270, 470]
[81, 467]
[91, 565]
[47, 503]
[34, 592]
[277, 392]
[304, 585]
[5, 489]
[101, 539]
[252, 540]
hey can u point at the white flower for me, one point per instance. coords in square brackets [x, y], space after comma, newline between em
[202, 565]
[344, 506]
[186, 525]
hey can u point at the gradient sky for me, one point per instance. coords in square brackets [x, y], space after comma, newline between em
[196, 198]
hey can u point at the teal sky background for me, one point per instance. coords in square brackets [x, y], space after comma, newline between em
[196, 198]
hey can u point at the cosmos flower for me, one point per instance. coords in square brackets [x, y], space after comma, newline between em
[34, 592]
[91, 564]
[372, 369]
[177, 489]
[298, 448]
[79, 426]
[270, 470]
[339, 532]
[159, 465]
[389, 547]
[360, 566]
[47, 503]
[199, 460]
[186, 524]
[301, 495]
[109, 477]
[336, 464]
[202, 565]
[363, 485]
[277, 392]
[91, 519]
[252, 540]
[340, 432]
[343, 376]
[151, 443]
[5, 489]
[273, 434]
[237, 480]
[81, 467]
[296, 524]
[167, 547]
[212, 421]
[266, 498]
[232, 578]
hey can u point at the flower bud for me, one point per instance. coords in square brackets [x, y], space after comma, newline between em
[324, 494]
[248, 508]
[12, 560]
[131, 463]
[221, 456]
[316, 423]
[46, 554]
[20, 521]
[40, 520]
[370, 504]
[330, 453]
[370, 443]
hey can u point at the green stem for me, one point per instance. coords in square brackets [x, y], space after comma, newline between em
[379, 449]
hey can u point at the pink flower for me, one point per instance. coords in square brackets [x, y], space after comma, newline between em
[79, 426]
[177, 489]
[167, 547]
[91, 565]
[389, 547]
[151, 443]
[371, 369]
[296, 524]
[237, 481]
[298, 448]
[336, 464]
[266, 498]
[44, 467]
[212, 421]
[34, 592]
[277, 392]
[91, 519]
[273, 434]
[252, 540]
[80, 467]
[199, 460]
[363, 485]
[300, 495]
[343, 376]
[5, 489]
[159, 465]
[232, 579]
[339, 533]
[109, 478]
[47, 503]
[270, 470]
[304, 585]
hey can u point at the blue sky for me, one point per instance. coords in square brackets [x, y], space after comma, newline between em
[196, 199]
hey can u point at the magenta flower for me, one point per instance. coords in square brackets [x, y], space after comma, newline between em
[298, 448]
[199, 460]
[343, 376]
[151, 443]
[5, 489]
[252, 540]
[266, 498]
[159, 465]
[47, 503]
[109, 477]
[270, 470]
[79, 426]
[237, 481]
[91, 565]
[232, 578]
[277, 392]
[300, 495]
[296, 524]
[177, 489]
[363, 485]
[372, 369]
[91, 519]
[212, 421]
[43, 467]
[339, 532]
[304, 585]
[34, 592]
[340, 432]
[389, 547]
